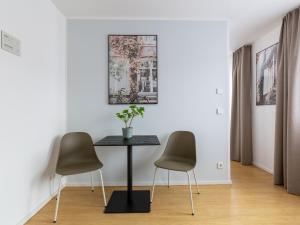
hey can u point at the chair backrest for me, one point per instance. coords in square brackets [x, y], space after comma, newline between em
[76, 147]
[181, 144]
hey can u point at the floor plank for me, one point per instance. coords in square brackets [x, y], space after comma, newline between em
[251, 199]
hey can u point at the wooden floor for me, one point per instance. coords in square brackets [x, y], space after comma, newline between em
[251, 199]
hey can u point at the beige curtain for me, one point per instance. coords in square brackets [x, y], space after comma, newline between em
[287, 139]
[241, 127]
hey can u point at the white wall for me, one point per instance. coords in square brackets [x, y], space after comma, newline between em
[263, 117]
[192, 60]
[32, 114]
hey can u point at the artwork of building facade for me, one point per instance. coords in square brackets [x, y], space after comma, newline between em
[132, 69]
[266, 76]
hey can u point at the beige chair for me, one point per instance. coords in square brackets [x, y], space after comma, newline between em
[179, 155]
[77, 155]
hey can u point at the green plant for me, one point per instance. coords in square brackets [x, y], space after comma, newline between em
[127, 115]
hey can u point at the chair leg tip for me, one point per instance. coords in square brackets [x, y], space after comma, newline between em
[54, 221]
[193, 214]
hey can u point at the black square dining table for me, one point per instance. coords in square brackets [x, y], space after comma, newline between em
[130, 201]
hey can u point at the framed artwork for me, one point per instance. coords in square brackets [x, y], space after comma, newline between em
[132, 69]
[266, 75]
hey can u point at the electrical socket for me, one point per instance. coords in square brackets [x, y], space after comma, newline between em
[220, 165]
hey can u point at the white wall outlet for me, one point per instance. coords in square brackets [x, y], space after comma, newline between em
[220, 165]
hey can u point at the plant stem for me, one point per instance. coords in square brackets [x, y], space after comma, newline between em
[131, 121]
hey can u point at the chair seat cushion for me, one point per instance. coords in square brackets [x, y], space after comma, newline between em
[78, 167]
[175, 163]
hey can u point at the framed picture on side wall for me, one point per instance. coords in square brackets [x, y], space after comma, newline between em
[266, 75]
[132, 69]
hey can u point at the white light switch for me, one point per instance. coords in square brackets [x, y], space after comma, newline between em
[219, 111]
[219, 91]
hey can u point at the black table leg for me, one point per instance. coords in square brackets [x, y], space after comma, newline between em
[129, 172]
[129, 201]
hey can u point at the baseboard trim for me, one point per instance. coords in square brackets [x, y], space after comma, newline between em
[109, 184]
[263, 168]
[147, 183]
[37, 208]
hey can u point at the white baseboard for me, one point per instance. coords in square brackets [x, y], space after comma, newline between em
[263, 168]
[147, 183]
[143, 183]
[37, 208]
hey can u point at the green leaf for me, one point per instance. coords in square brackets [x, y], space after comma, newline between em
[134, 111]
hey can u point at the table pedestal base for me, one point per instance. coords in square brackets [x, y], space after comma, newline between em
[120, 202]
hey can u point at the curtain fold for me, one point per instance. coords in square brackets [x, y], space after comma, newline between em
[241, 123]
[287, 133]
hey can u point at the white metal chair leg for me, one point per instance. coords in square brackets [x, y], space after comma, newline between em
[57, 202]
[168, 178]
[152, 192]
[103, 191]
[92, 183]
[196, 182]
[191, 195]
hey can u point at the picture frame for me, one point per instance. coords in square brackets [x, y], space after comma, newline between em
[266, 75]
[132, 69]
